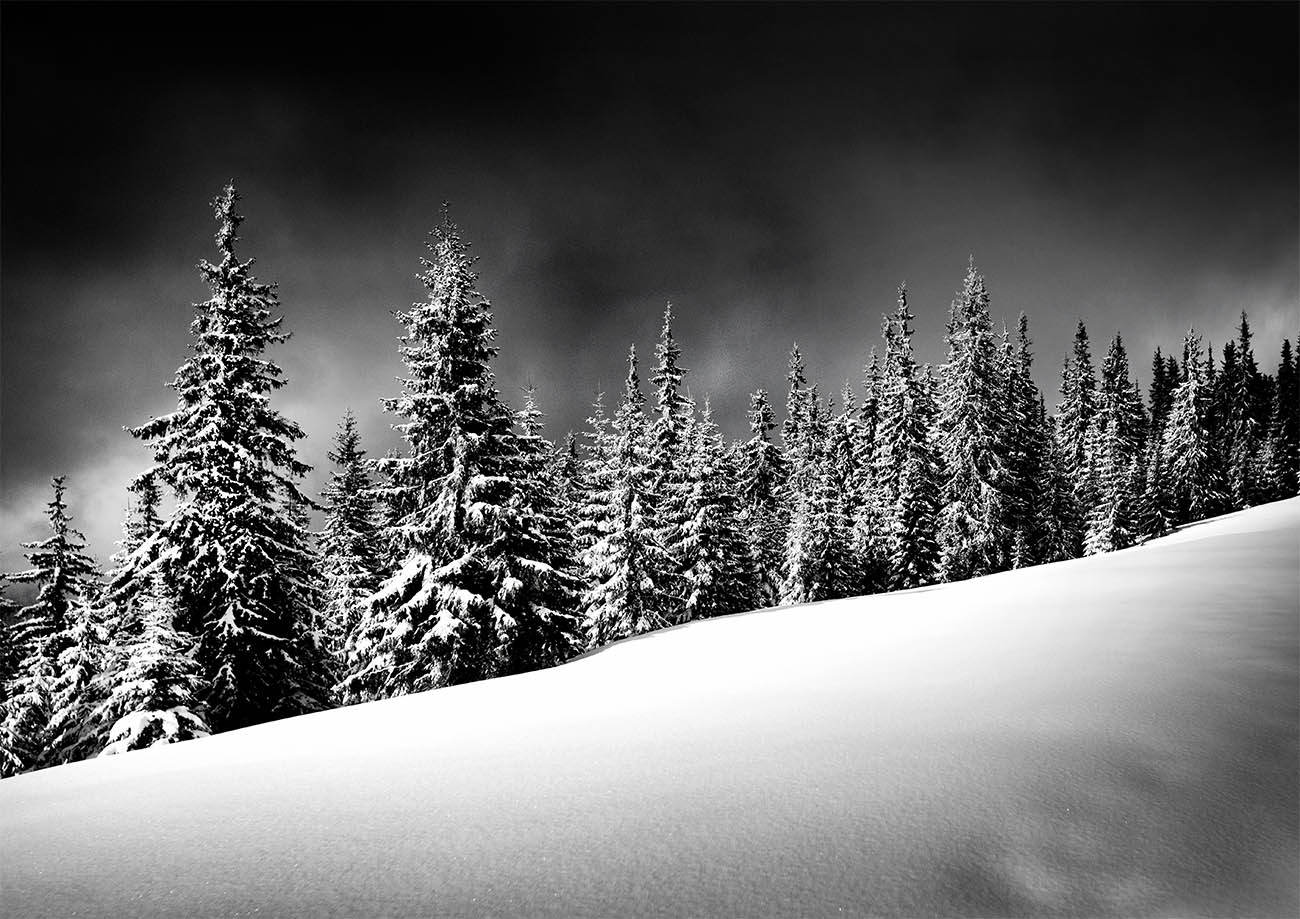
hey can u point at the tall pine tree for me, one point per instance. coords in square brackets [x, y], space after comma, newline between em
[235, 551]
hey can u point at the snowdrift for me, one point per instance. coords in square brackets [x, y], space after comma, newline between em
[1109, 736]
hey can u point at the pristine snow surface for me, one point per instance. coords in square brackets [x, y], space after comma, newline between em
[1109, 736]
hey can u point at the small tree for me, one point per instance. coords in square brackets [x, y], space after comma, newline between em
[349, 541]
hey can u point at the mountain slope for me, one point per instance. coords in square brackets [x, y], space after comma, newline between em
[1108, 736]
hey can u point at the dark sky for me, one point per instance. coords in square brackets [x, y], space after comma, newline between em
[773, 170]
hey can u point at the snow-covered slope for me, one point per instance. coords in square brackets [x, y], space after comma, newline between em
[1109, 736]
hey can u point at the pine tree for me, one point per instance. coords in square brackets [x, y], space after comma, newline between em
[627, 564]
[1190, 455]
[907, 464]
[10, 655]
[349, 544]
[1078, 404]
[1280, 460]
[1060, 521]
[1024, 448]
[148, 696]
[74, 691]
[596, 476]
[1164, 380]
[720, 572]
[468, 530]
[670, 437]
[819, 564]
[762, 481]
[1155, 515]
[234, 549]
[972, 424]
[541, 585]
[40, 698]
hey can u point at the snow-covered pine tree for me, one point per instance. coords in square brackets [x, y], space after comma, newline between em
[1280, 460]
[670, 440]
[594, 479]
[67, 581]
[972, 423]
[819, 559]
[1161, 394]
[869, 413]
[348, 545]
[468, 531]
[564, 466]
[541, 585]
[1190, 454]
[907, 470]
[10, 656]
[1078, 404]
[627, 565]
[74, 691]
[1118, 429]
[720, 574]
[1119, 401]
[1112, 519]
[762, 481]
[1060, 520]
[849, 457]
[1154, 516]
[233, 547]
[149, 694]
[1241, 410]
[799, 431]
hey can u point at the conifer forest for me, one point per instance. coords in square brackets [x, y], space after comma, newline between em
[490, 545]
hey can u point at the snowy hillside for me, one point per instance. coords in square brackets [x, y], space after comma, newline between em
[1115, 735]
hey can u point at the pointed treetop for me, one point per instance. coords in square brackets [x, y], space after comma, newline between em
[632, 387]
[224, 208]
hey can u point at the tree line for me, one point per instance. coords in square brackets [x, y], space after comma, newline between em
[482, 549]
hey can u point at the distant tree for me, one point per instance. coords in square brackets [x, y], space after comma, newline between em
[670, 436]
[541, 582]
[907, 463]
[1190, 454]
[762, 481]
[233, 547]
[1078, 404]
[627, 564]
[349, 544]
[721, 573]
[819, 563]
[1280, 459]
[972, 423]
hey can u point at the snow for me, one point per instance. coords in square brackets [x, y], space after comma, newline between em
[1115, 735]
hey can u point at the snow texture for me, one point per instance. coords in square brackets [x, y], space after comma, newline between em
[1114, 735]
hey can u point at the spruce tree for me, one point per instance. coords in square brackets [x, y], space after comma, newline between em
[819, 562]
[148, 696]
[540, 580]
[720, 572]
[234, 549]
[972, 424]
[41, 698]
[627, 564]
[907, 464]
[1190, 454]
[473, 570]
[762, 481]
[349, 544]
[670, 438]
[1078, 404]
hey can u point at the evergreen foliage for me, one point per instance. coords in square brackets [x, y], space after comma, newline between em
[627, 564]
[233, 548]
